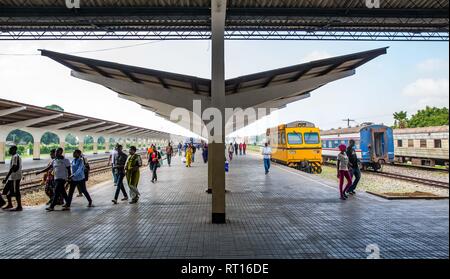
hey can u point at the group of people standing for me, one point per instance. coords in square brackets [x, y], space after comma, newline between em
[236, 149]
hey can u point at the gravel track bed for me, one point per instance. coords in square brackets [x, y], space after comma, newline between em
[379, 184]
[426, 174]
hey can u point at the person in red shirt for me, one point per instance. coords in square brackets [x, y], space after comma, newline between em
[240, 148]
[244, 147]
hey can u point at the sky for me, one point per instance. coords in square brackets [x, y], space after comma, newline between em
[409, 77]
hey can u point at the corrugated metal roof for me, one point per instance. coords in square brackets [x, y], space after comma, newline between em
[242, 16]
[392, 4]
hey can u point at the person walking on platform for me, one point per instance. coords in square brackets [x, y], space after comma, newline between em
[150, 150]
[205, 152]
[267, 154]
[194, 149]
[169, 153]
[236, 148]
[87, 169]
[77, 180]
[49, 179]
[240, 148]
[111, 163]
[244, 147]
[121, 159]
[180, 149]
[154, 163]
[342, 171]
[62, 171]
[133, 164]
[12, 181]
[354, 166]
[230, 151]
[189, 155]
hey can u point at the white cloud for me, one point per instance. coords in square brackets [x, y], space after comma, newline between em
[432, 65]
[427, 91]
[317, 55]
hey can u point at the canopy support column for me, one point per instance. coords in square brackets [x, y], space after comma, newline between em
[216, 169]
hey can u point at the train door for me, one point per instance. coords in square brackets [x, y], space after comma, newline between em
[379, 146]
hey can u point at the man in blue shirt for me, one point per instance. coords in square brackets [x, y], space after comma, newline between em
[77, 179]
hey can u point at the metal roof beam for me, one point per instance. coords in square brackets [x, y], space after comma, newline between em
[129, 131]
[65, 124]
[34, 121]
[6, 112]
[118, 129]
[103, 129]
[90, 126]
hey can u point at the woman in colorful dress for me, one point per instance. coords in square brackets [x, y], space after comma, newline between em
[132, 166]
[343, 171]
[189, 153]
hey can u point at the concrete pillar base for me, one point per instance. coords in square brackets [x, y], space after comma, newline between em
[37, 151]
[218, 182]
[2, 152]
[218, 218]
[209, 191]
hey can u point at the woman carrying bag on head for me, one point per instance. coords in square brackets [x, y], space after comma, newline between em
[154, 162]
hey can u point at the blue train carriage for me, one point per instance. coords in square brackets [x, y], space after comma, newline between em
[377, 146]
[374, 144]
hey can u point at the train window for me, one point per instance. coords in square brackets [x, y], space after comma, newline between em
[437, 143]
[410, 143]
[335, 144]
[283, 138]
[295, 138]
[399, 143]
[423, 143]
[311, 138]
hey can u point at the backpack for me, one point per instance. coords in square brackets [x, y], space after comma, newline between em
[87, 169]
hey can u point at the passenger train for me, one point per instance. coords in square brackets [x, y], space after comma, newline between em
[374, 144]
[296, 144]
[426, 146]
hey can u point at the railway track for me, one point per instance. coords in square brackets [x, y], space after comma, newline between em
[427, 182]
[420, 168]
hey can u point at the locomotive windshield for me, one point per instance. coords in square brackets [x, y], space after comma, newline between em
[311, 138]
[295, 138]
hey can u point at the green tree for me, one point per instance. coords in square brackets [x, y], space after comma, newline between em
[401, 119]
[19, 137]
[430, 116]
[50, 138]
[70, 139]
[55, 107]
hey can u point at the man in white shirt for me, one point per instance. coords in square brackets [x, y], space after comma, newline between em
[12, 181]
[62, 171]
[112, 162]
[267, 153]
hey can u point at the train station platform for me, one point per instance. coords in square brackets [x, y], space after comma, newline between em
[286, 214]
